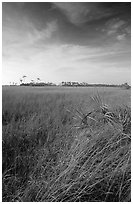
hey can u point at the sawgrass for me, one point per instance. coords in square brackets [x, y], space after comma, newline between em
[66, 144]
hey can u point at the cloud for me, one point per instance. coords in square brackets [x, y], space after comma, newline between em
[18, 42]
[113, 26]
[35, 35]
[18, 28]
[75, 12]
[56, 56]
[128, 30]
[121, 37]
[117, 29]
[79, 13]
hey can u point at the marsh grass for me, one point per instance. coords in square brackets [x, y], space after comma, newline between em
[56, 149]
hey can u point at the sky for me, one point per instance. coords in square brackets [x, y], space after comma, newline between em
[66, 41]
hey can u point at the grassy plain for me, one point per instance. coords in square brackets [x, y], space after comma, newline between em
[53, 151]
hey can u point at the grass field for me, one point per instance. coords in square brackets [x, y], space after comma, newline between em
[53, 151]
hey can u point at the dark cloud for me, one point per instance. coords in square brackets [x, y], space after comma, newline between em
[117, 28]
[93, 23]
[82, 23]
[79, 13]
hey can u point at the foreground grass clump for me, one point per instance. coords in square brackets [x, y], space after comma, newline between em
[54, 151]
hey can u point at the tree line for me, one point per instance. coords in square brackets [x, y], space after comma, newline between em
[38, 82]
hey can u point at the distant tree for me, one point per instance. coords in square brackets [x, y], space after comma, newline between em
[21, 80]
[126, 86]
[38, 80]
[24, 76]
[62, 83]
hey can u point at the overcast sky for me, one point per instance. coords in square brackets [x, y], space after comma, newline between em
[85, 42]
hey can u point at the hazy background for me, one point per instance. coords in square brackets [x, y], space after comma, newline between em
[66, 42]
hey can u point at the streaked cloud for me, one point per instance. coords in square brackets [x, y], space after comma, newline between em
[79, 13]
[15, 40]
[121, 37]
[43, 34]
[117, 28]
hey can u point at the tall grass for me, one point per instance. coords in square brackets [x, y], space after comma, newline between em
[60, 146]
